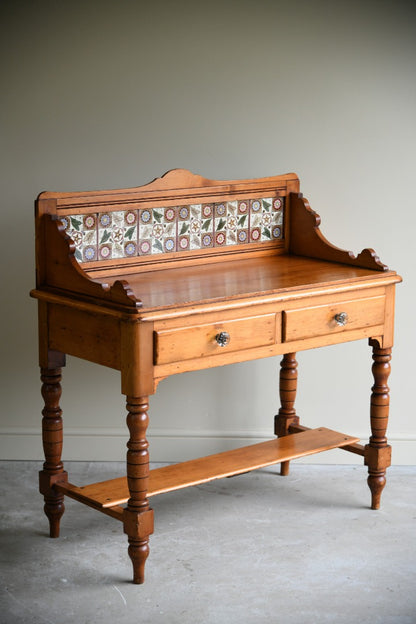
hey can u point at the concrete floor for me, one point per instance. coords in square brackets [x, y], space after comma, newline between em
[252, 549]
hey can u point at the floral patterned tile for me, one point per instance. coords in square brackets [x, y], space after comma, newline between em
[150, 231]
[157, 231]
[82, 229]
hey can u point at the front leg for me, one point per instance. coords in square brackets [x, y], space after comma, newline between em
[377, 455]
[52, 436]
[138, 517]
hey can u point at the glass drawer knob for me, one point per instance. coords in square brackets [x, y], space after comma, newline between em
[341, 318]
[223, 338]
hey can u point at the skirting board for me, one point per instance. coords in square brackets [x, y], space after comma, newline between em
[105, 444]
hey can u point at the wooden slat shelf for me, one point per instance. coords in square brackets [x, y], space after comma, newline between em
[357, 449]
[107, 495]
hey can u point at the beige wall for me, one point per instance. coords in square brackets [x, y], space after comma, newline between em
[106, 94]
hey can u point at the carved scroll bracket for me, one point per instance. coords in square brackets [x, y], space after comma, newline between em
[62, 271]
[306, 239]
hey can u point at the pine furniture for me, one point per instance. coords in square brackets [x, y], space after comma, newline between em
[187, 273]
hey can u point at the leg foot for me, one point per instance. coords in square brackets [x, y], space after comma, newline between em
[138, 552]
[376, 484]
[284, 468]
[54, 510]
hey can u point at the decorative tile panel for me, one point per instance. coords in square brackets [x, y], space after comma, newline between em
[152, 231]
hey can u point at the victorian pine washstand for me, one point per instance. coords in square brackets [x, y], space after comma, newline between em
[187, 273]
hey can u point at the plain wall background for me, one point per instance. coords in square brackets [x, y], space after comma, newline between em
[105, 94]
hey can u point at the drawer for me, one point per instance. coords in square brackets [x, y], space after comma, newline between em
[333, 318]
[196, 341]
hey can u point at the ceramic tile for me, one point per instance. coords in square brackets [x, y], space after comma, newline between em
[82, 230]
[149, 231]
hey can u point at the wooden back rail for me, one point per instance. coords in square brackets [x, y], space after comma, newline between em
[187, 273]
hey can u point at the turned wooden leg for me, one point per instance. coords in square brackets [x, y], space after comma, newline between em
[52, 436]
[377, 455]
[287, 389]
[138, 517]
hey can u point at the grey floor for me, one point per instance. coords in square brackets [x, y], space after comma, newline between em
[251, 549]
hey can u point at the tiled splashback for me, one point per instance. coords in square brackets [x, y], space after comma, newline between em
[147, 231]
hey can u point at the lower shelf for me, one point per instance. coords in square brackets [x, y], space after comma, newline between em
[107, 496]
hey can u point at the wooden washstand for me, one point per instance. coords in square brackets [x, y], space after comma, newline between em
[184, 274]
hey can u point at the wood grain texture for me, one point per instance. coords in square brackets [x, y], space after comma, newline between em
[85, 334]
[378, 453]
[175, 188]
[65, 274]
[174, 184]
[321, 320]
[288, 381]
[306, 239]
[52, 438]
[198, 341]
[357, 449]
[218, 466]
[258, 277]
[138, 517]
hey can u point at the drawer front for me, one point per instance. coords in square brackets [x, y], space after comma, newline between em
[176, 345]
[333, 318]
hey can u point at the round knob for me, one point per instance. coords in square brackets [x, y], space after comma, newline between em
[341, 318]
[223, 339]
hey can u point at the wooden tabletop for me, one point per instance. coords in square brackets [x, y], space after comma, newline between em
[215, 282]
